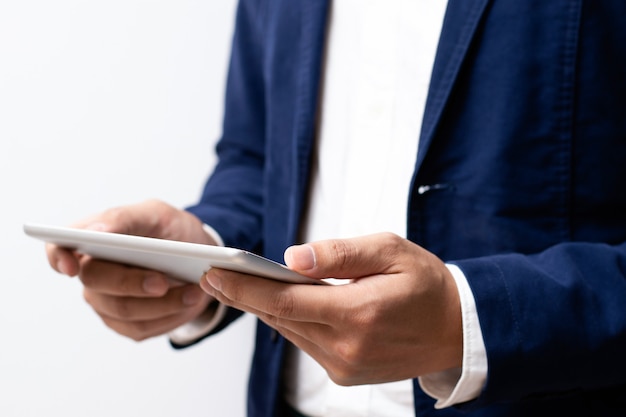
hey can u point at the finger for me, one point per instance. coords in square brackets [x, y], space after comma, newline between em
[345, 258]
[176, 301]
[335, 354]
[337, 369]
[313, 347]
[142, 219]
[259, 296]
[141, 330]
[151, 218]
[314, 339]
[62, 260]
[121, 280]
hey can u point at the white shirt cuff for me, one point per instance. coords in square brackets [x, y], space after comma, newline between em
[207, 321]
[456, 386]
[200, 326]
[213, 234]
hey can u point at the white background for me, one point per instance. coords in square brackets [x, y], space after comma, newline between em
[104, 103]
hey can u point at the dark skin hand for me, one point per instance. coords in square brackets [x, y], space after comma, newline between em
[135, 302]
[399, 318]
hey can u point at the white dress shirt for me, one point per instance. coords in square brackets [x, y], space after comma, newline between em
[379, 57]
[378, 65]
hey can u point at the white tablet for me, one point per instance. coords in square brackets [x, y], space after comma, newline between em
[186, 261]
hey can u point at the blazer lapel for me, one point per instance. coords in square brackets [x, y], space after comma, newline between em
[459, 26]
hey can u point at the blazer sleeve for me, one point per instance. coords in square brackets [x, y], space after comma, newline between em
[232, 198]
[554, 323]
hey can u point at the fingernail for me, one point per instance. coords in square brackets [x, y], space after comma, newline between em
[192, 296]
[214, 281]
[154, 284]
[301, 257]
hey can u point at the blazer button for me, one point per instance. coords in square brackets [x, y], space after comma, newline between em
[274, 335]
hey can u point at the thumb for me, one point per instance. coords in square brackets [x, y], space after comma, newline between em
[343, 258]
[140, 219]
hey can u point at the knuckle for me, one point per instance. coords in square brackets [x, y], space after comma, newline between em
[351, 354]
[114, 214]
[231, 291]
[343, 253]
[159, 216]
[392, 248]
[391, 242]
[350, 361]
[283, 304]
[130, 282]
[343, 375]
[363, 314]
[120, 308]
[356, 350]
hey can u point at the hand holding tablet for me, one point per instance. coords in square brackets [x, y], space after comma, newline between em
[182, 260]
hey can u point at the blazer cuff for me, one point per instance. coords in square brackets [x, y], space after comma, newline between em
[456, 386]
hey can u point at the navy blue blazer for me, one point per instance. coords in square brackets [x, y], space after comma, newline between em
[520, 181]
